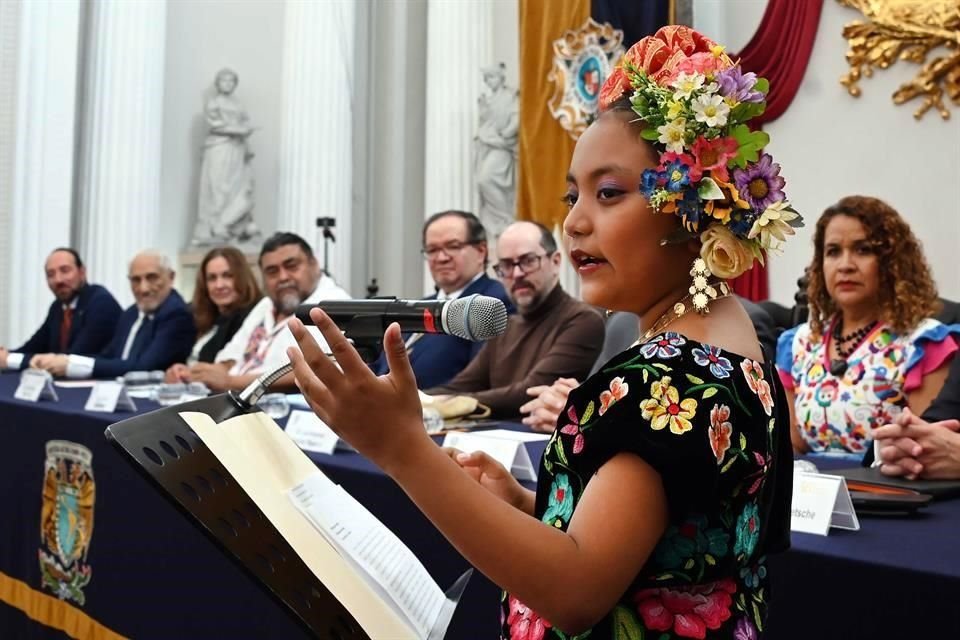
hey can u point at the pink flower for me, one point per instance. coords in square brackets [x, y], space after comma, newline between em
[688, 610]
[573, 428]
[720, 430]
[752, 372]
[524, 623]
[713, 156]
[618, 391]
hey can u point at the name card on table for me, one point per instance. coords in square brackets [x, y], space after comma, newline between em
[310, 433]
[504, 446]
[820, 502]
[109, 396]
[35, 384]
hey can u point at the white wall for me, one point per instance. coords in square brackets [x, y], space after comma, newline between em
[202, 38]
[831, 145]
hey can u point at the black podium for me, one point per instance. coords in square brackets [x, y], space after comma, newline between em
[173, 457]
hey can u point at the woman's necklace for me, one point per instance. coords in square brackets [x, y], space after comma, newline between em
[845, 345]
[680, 309]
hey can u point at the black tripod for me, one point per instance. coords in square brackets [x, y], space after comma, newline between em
[327, 224]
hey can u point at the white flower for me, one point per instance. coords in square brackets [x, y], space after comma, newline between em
[711, 110]
[686, 84]
[773, 226]
[672, 134]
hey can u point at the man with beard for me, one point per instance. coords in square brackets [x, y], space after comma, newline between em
[81, 320]
[551, 336]
[291, 277]
[151, 334]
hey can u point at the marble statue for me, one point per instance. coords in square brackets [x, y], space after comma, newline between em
[495, 161]
[225, 203]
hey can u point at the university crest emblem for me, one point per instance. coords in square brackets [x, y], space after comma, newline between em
[66, 519]
[582, 60]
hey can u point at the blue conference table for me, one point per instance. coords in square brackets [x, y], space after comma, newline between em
[152, 574]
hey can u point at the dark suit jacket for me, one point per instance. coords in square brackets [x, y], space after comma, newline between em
[167, 339]
[946, 405]
[94, 320]
[437, 357]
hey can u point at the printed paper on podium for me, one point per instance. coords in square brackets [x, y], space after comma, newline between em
[312, 514]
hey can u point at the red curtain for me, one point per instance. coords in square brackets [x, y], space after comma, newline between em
[779, 51]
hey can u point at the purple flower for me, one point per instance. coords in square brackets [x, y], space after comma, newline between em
[745, 630]
[739, 86]
[760, 183]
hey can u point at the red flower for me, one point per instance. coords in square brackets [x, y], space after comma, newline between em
[524, 623]
[688, 610]
[573, 428]
[713, 156]
[660, 56]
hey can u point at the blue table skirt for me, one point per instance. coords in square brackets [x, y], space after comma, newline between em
[155, 576]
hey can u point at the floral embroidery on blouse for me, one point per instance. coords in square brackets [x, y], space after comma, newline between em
[677, 404]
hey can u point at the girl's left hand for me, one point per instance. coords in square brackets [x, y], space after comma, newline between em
[380, 416]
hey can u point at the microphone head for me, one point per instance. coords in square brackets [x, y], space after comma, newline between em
[475, 317]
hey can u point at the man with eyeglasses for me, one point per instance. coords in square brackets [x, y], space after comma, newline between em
[552, 336]
[150, 335]
[455, 248]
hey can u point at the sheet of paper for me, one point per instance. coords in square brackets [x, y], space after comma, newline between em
[310, 433]
[373, 547]
[75, 384]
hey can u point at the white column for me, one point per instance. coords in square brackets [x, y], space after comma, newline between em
[316, 156]
[120, 189]
[459, 44]
[40, 194]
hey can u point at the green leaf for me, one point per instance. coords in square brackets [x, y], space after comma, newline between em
[762, 85]
[560, 453]
[688, 564]
[729, 464]
[750, 144]
[646, 375]
[710, 559]
[747, 111]
[694, 379]
[709, 190]
[650, 134]
[743, 441]
[709, 392]
[588, 413]
[757, 618]
[625, 625]
[661, 366]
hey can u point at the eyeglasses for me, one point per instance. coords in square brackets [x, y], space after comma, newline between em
[450, 248]
[528, 264]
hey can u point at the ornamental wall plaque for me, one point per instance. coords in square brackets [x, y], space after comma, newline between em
[907, 30]
[582, 60]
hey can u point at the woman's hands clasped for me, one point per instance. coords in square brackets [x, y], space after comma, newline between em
[380, 416]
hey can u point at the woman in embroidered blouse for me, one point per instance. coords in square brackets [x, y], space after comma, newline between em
[668, 478]
[870, 348]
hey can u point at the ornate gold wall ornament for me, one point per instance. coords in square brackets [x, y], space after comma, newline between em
[907, 30]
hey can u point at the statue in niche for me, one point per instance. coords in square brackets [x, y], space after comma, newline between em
[495, 159]
[225, 203]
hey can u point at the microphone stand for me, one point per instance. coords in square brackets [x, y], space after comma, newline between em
[327, 224]
[364, 331]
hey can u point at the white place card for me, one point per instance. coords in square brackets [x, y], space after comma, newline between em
[311, 433]
[820, 502]
[34, 385]
[108, 396]
[504, 446]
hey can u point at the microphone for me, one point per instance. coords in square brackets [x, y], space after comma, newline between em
[472, 317]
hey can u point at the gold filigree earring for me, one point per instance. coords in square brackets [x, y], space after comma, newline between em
[702, 289]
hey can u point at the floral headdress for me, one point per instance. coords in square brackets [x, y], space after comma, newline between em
[694, 102]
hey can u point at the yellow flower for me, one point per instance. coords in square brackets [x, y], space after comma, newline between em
[665, 408]
[726, 255]
[674, 109]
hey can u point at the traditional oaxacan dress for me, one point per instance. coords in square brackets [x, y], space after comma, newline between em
[715, 426]
[837, 413]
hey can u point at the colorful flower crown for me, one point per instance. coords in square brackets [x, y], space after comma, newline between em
[694, 102]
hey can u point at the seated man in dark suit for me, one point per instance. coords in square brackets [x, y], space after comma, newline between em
[455, 247]
[151, 335]
[80, 320]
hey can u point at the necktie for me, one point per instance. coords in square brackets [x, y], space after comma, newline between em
[142, 339]
[65, 325]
